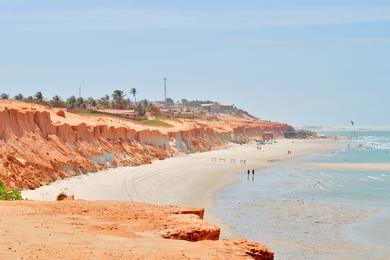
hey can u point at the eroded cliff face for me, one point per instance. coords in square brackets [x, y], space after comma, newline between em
[34, 151]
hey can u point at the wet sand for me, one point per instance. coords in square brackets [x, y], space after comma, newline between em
[285, 208]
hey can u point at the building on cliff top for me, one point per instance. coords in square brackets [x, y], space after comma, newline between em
[292, 133]
[215, 108]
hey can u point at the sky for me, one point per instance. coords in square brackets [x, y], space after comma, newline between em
[297, 61]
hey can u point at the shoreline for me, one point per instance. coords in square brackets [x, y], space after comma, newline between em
[300, 197]
[277, 205]
[346, 166]
[189, 181]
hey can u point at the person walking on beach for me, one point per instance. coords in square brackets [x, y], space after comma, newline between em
[249, 172]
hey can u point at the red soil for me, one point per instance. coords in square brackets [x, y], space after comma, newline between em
[114, 230]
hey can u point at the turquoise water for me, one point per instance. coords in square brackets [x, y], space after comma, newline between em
[370, 187]
[365, 147]
[280, 190]
[358, 155]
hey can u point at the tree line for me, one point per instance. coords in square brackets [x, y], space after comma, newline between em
[117, 100]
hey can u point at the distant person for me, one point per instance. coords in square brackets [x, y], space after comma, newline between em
[249, 172]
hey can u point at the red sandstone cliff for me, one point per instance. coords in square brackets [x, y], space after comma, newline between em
[36, 150]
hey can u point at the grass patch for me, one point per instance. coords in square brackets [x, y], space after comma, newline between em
[144, 122]
[6, 194]
[153, 123]
[177, 120]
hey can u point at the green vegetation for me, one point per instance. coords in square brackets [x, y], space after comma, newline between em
[144, 122]
[155, 123]
[4, 96]
[141, 109]
[118, 100]
[6, 194]
[133, 92]
[19, 97]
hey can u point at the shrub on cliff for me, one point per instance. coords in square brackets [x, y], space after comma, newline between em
[6, 194]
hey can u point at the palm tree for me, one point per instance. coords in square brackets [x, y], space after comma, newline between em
[56, 101]
[56, 98]
[103, 102]
[92, 102]
[18, 97]
[39, 96]
[118, 94]
[133, 91]
[71, 102]
[118, 99]
[4, 96]
[80, 102]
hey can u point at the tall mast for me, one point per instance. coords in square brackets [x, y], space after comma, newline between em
[165, 89]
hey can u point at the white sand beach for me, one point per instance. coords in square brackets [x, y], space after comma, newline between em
[188, 180]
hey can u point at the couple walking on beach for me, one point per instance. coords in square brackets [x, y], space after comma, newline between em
[253, 174]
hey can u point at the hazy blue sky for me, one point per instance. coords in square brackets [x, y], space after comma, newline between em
[302, 62]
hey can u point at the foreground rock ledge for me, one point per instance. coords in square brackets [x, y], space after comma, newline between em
[114, 230]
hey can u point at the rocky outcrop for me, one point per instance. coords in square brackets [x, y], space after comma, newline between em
[60, 113]
[254, 250]
[75, 229]
[34, 151]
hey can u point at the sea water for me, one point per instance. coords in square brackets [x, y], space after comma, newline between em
[247, 205]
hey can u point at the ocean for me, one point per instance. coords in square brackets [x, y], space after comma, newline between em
[316, 214]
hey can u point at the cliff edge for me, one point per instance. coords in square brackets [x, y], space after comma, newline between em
[39, 145]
